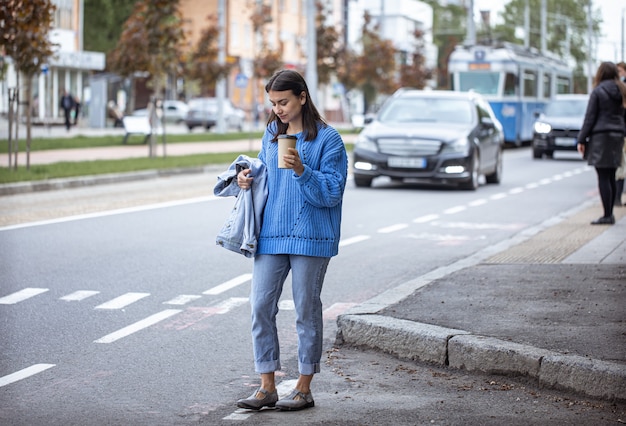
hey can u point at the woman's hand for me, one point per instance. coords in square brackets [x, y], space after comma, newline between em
[292, 161]
[243, 180]
[581, 149]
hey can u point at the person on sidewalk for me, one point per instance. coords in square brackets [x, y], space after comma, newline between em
[299, 233]
[620, 174]
[601, 138]
[67, 104]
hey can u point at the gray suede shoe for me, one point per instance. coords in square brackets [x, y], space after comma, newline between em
[253, 403]
[296, 401]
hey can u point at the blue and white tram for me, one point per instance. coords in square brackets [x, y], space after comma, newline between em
[517, 82]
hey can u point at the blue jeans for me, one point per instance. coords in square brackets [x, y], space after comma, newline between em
[307, 276]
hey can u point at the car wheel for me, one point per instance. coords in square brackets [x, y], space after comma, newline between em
[537, 154]
[496, 176]
[190, 127]
[362, 181]
[472, 183]
[550, 154]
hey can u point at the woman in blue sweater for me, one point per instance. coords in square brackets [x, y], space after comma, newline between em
[299, 233]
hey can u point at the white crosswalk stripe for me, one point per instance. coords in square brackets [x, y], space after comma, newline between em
[79, 295]
[20, 296]
[122, 301]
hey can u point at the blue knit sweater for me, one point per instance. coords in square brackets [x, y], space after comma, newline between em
[303, 213]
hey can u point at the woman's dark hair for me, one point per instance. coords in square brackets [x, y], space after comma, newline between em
[609, 71]
[292, 80]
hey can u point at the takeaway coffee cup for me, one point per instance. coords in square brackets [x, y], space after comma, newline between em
[284, 142]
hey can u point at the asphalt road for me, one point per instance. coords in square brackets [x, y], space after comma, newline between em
[141, 319]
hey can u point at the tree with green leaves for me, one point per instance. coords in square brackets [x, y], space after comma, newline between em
[566, 29]
[103, 22]
[151, 42]
[24, 38]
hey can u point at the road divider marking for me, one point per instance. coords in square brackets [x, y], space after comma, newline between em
[122, 301]
[454, 210]
[229, 284]
[138, 326]
[392, 228]
[20, 296]
[79, 295]
[193, 315]
[24, 373]
[477, 203]
[353, 240]
[426, 218]
[182, 299]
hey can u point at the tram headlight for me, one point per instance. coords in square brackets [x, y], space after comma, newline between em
[541, 127]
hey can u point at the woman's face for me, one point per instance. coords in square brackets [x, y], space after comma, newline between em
[286, 105]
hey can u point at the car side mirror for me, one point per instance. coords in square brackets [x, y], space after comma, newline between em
[368, 120]
[487, 122]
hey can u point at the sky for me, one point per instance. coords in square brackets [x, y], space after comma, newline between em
[613, 11]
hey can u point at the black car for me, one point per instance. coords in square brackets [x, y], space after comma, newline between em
[556, 129]
[431, 136]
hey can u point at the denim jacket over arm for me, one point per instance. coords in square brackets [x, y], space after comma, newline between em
[241, 230]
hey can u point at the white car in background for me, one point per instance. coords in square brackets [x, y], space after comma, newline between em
[174, 111]
[203, 113]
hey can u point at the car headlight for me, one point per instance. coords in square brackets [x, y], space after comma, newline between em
[366, 144]
[541, 127]
[457, 146]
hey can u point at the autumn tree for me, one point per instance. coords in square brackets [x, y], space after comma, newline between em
[413, 70]
[202, 62]
[266, 60]
[150, 42]
[24, 38]
[328, 46]
[372, 70]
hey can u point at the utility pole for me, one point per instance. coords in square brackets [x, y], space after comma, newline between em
[311, 64]
[590, 52]
[220, 88]
[471, 27]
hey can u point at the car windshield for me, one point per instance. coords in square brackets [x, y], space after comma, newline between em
[566, 108]
[412, 110]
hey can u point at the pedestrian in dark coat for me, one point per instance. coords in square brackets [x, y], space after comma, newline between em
[601, 138]
[67, 104]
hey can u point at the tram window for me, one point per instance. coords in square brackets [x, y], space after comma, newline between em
[562, 85]
[485, 83]
[510, 84]
[547, 86]
[530, 83]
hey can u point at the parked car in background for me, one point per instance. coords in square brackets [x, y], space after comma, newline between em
[174, 111]
[203, 113]
[432, 136]
[556, 129]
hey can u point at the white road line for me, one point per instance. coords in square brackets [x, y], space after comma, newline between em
[229, 284]
[498, 196]
[353, 240]
[517, 190]
[286, 305]
[426, 218]
[122, 301]
[182, 299]
[228, 304]
[454, 210]
[532, 185]
[113, 212]
[22, 374]
[545, 181]
[20, 296]
[477, 203]
[138, 326]
[392, 228]
[79, 295]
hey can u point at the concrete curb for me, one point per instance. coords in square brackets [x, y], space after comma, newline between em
[64, 183]
[461, 350]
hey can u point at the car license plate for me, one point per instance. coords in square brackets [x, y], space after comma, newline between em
[565, 141]
[406, 162]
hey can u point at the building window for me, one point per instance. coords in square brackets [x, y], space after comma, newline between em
[63, 14]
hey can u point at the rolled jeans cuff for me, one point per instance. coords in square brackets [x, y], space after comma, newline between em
[267, 366]
[308, 369]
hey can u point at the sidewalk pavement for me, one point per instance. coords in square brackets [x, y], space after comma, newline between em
[548, 304]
